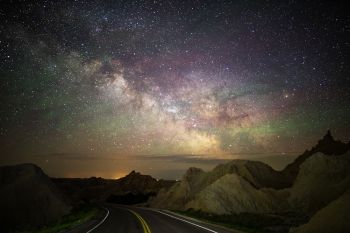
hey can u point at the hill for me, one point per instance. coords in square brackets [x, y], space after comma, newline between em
[28, 198]
[99, 189]
[327, 145]
[310, 183]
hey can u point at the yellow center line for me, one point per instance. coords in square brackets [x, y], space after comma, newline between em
[145, 226]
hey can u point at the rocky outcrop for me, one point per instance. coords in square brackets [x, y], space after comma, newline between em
[321, 179]
[234, 179]
[180, 192]
[258, 174]
[234, 194]
[99, 189]
[332, 218]
[327, 145]
[28, 198]
[137, 183]
[313, 180]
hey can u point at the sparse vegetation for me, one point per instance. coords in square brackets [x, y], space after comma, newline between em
[77, 216]
[249, 222]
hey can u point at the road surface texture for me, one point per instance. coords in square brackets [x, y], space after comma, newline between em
[128, 219]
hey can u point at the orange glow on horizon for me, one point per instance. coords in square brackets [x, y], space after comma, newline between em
[119, 175]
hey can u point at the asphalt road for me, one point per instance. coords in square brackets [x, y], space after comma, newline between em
[142, 220]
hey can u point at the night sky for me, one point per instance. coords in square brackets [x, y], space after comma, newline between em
[99, 88]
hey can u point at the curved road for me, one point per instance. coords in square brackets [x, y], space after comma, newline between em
[128, 219]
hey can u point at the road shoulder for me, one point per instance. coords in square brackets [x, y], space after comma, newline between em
[93, 222]
[210, 225]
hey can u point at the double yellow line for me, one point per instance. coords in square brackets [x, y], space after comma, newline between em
[145, 227]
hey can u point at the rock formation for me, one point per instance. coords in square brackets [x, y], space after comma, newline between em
[28, 198]
[99, 189]
[306, 187]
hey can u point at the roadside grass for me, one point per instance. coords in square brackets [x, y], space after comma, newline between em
[248, 222]
[77, 216]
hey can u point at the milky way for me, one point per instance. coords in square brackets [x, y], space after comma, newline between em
[106, 80]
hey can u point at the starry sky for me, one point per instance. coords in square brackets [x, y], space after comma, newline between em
[100, 88]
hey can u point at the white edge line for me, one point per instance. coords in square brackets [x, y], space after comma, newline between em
[187, 221]
[99, 222]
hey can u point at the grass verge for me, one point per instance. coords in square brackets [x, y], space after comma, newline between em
[77, 216]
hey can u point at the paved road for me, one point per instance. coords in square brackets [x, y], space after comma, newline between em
[141, 220]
